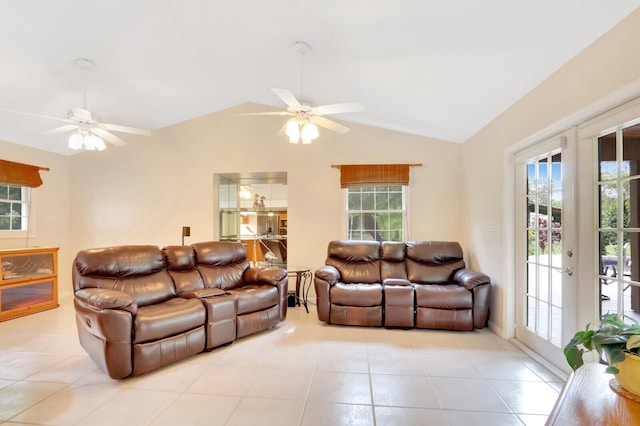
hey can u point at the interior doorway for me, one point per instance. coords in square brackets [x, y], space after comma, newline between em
[252, 209]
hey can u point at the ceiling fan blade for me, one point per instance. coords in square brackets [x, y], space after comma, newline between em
[30, 114]
[329, 124]
[62, 129]
[287, 97]
[268, 113]
[338, 108]
[108, 136]
[125, 129]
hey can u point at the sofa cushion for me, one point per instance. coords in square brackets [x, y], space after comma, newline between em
[136, 270]
[447, 296]
[168, 318]
[221, 263]
[356, 294]
[181, 263]
[393, 251]
[357, 261]
[119, 262]
[433, 261]
[255, 297]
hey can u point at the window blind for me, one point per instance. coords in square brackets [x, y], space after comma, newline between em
[357, 175]
[19, 174]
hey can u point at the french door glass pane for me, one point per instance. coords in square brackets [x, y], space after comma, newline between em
[619, 221]
[544, 247]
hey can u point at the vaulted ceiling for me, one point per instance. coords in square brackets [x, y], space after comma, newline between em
[437, 68]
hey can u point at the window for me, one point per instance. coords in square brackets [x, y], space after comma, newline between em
[13, 207]
[376, 213]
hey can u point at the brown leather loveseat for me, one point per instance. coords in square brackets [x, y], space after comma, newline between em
[140, 307]
[395, 284]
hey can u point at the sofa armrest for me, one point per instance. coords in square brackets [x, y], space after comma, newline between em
[203, 293]
[102, 299]
[328, 273]
[265, 275]
[471, 278]
[325, 277]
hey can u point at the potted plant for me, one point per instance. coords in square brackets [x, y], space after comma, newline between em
[616, 342]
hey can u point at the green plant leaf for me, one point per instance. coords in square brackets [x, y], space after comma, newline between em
[574, 357]
[633, 342]
[574, 341]
[608, 339]
[612, 370]
[616, 355]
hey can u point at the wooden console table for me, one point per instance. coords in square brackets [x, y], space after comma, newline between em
[587, 399]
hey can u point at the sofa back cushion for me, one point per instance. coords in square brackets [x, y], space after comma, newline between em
[181, 264]
[136, 270]
[357, 261]
[433, 262]
[392, 260]
[221, 263]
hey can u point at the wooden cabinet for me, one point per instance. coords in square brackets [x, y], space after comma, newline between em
[282, 224]
[29, 281]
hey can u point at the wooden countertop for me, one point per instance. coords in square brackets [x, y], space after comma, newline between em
[587, 399]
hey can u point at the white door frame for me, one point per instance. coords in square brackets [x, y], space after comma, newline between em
[564, 143]
[582, 119]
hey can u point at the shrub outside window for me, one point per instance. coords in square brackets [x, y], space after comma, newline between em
[376, 213]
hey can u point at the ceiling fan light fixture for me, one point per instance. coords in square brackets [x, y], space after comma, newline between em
[76, 141]
[89, 141]
[293, 131]
[99, 143]
[309, 133]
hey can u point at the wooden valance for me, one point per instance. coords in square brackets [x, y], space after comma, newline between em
[20, 174]
[355, 175]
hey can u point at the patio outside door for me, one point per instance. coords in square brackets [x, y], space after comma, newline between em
[545, 249]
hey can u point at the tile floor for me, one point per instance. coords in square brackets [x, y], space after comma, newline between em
[300, 373]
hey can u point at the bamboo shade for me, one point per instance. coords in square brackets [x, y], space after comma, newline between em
[20, 174]
[355, 175]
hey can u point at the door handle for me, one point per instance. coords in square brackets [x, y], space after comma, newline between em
[569, 270]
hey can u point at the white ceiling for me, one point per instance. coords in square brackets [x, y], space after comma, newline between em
[437, 68]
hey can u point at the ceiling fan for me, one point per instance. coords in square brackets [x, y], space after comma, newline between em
[88, 131]
[305, 117]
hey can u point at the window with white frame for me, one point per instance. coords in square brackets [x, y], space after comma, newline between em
[14, 207]
[376, 213]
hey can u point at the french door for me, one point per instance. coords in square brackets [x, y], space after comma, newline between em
[615, 137]
[545, 246]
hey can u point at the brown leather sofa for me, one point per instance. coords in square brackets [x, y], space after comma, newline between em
[140, 307]
[421, 284]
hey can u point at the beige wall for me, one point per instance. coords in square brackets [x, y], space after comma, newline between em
[582, 87]
[50, 206]
[143, 193]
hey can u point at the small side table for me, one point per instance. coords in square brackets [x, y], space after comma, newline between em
[303, 283]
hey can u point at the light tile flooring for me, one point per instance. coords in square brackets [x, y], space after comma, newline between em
[302, 372]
